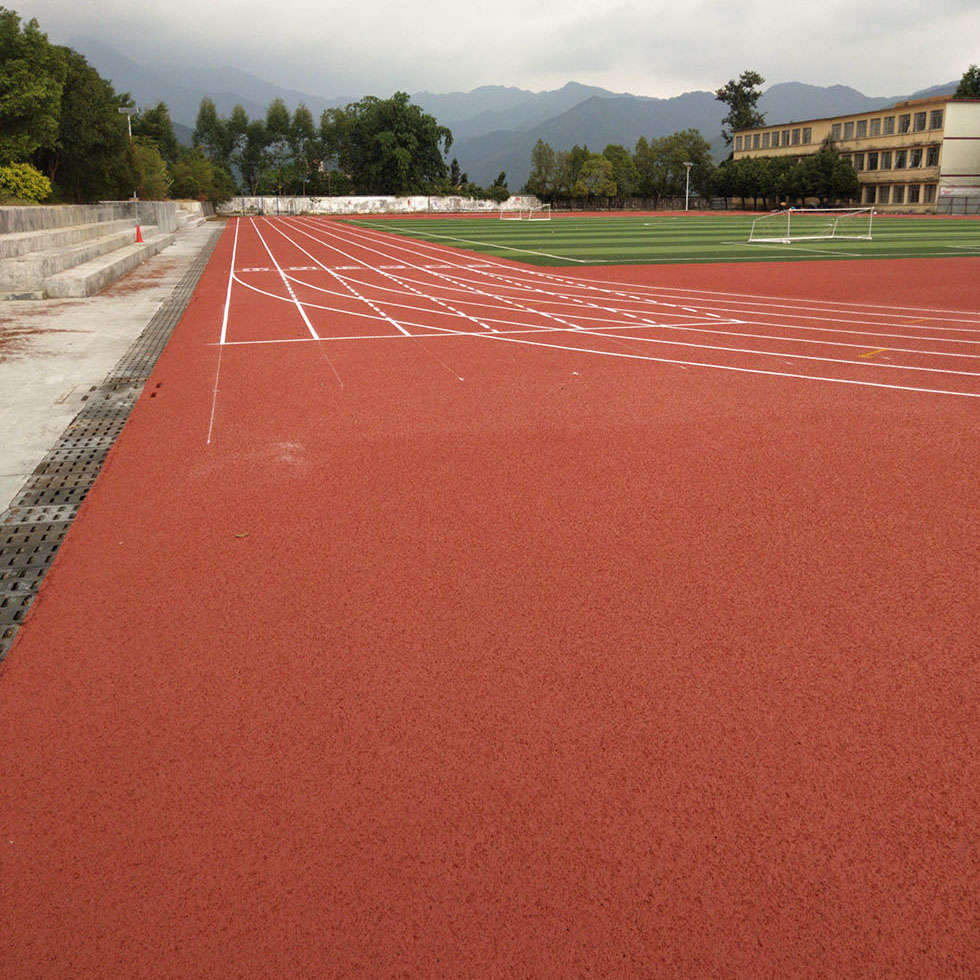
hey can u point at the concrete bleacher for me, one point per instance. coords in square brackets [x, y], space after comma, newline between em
[77, 250]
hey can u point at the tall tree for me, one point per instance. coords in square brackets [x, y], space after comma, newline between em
[624, 169]
[544, 170]
[155, 125]
[387, 146]
[306, 150]
[252, 158]
[89, 160]
[278, 131]
[211, 133]
[595, 179]
[969, 87]
[32, 76]
[741, 97]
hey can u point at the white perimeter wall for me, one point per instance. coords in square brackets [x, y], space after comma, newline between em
[960, 162]
[419, 204]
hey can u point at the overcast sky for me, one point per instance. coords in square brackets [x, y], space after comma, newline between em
[331, 48]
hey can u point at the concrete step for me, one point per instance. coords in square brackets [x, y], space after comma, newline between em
[92, 277]
[28, 272]
[45, 239]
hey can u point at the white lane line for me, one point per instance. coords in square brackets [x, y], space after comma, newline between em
[286, 282]
[381, 313]
[841, 306]
[795, 327]
[374, 307]
[402, 283]
[720, 367]
[461, 282]
[299, 306]
[224, 334]
[231, 277]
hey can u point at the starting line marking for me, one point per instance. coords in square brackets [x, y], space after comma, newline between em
[349, 268]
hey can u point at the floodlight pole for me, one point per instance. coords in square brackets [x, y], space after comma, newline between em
[129, 112]
[687, 185]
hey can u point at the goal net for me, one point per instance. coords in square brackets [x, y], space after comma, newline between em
[812, 224]
[540, 213]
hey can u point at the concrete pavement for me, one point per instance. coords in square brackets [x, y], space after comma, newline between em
[53, 352]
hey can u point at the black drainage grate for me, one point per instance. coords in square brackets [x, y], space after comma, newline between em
[37, 520]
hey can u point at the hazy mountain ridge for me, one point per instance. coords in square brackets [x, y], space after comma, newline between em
[494, 126]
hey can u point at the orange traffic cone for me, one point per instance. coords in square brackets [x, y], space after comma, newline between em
[139, 237]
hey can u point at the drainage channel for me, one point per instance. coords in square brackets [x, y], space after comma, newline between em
[33, 527]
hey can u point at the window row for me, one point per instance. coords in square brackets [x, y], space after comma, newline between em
[895, 159]
[907, 122]
[899, 194]
[770, 140]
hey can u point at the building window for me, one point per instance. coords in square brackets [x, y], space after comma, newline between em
[936, 119]
[889, 125]
[765, 141]
[848, 130]
[862, 129]
[835, 132]
[756, 137]
[875, 129]
[886, 159]
[932, 156]
[901, 157]
[869, 194]
[807, 134]
[872, 161]
[913, 193]
[785, 137]
[796, 137]
[929, 193]
[904, 122]
[859, 161]
[883, 194]
[738, 143]
[920, 121]
[915, 157]
[898, 194]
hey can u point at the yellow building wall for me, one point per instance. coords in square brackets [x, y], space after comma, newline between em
[947, 130]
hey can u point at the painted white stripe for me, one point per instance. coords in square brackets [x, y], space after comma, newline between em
[231, 276]
[286, 283]
[224, 334]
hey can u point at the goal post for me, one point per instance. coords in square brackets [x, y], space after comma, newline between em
[540, 213]
[811, 225]
[514, 214]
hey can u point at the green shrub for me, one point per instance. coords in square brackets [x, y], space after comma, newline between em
[24, 182]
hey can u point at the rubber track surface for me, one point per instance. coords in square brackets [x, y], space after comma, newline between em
[584, 664]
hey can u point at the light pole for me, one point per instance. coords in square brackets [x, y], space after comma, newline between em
[129, 112]
[687, 184]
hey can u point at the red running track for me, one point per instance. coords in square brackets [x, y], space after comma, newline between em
[518, 633]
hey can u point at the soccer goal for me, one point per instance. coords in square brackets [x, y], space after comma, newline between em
[812, 224]
[540, 213]
[514, 215]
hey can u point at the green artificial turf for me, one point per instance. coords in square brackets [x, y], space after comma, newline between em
[598, 239]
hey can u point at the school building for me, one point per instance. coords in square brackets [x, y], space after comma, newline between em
[921, 156]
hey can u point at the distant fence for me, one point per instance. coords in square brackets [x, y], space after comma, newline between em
[376, 204]
[958, 204]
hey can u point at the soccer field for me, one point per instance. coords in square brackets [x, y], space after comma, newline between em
[605, 239]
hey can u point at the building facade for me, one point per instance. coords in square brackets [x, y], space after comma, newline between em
[919, 156]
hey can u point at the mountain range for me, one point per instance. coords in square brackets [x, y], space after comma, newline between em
[495, 126]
